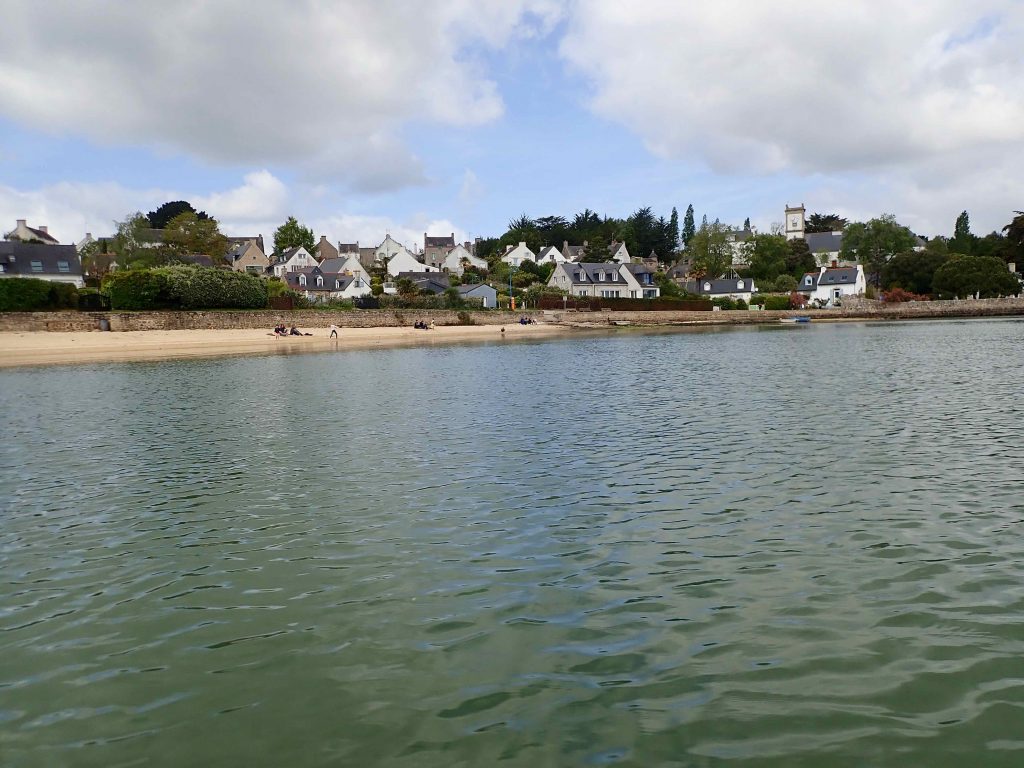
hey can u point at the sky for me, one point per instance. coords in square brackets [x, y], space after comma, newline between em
[367, 117]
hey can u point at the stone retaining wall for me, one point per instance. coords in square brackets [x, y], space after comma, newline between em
[215, 320]
[364, 318]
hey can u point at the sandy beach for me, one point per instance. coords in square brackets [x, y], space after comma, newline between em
[49, 348]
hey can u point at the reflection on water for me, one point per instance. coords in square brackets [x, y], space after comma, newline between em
[767, 548]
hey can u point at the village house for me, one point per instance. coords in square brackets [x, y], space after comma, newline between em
[26, 234]
[292, 260]
[347, 264]
[241, 240]
[460, 257]
[515, 257]
[829, 285]
[403, 261]
[619, 253]
[387, 250]
[325, 250]
[432, 282]
[319, 286]
[435, 249]
[248, 257]
[724, 288]
[573, 252]
[737, 241]
[42, 261]
[606, 280]
[550, 255]
[480, 292]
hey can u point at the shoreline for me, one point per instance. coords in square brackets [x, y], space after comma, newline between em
[69, 337]
[33, 348]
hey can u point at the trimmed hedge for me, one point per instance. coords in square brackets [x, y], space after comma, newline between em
[185, 286]
[27, 294]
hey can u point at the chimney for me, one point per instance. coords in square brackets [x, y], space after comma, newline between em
[835, 264]
[522, 243]
[42, 228]
[21, 223]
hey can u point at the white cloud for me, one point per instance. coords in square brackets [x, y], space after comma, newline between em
[262, 196]
[892, 93]
[258, 206]
[71, 209]
[321, 87]
[471, 189]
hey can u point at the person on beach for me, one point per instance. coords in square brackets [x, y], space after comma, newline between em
[334, 331]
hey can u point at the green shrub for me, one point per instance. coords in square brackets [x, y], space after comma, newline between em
[771, 302]
[725, 302]
[741, 304]
[184, 286]
[27, 294]
[137, 289]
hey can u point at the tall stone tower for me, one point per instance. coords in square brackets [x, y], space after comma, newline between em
[795, 217]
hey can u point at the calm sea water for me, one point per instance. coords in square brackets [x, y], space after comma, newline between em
[781, 546]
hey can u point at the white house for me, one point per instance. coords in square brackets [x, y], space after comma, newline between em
[292, 260]
[830, 284]
[55, 263]
[319, 286]
[515, 257]
[387, 250]
[619, 253]
[403, 261]
[459, 257]
[348, 264]
[550, 255]
[725, 288]
[606, 280]
[27, 234]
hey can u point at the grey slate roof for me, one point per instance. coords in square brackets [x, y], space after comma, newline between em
[16, 259]
[333, 281]
[831, 276]
[439, 242]
[824, 242]
[435, 282]
[590, 272]
[723, 287]
[642, 273]
[465, 290]
[334, 265]
[348, 248]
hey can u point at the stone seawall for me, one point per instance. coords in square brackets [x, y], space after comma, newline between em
[222, 319]
[375, 318]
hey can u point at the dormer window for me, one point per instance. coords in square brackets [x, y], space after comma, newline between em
[37, 266]
[337, 284]
[739, 285]
[302, 279]
[707, 287]
[807, 280]
[600, 276]
[319, 281]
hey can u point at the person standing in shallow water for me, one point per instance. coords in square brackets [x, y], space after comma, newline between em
[334, 331]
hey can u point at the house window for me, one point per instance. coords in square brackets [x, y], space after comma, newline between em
[707, 286]
[63, 266]
[807, 280]
[302, 279]
[614, 276]
[337, 284]
[582, 292]
[739, 285]
[600, 276]
[319, 280]
[37, 266]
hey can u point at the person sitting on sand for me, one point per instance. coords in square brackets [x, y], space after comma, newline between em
[280, 330]
[294, 332]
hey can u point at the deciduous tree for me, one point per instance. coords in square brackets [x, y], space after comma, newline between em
[875, 242]
[964, 276]
[825, 222]
[766, 255]
[159, 218]
[710, 252]
[187, 234]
